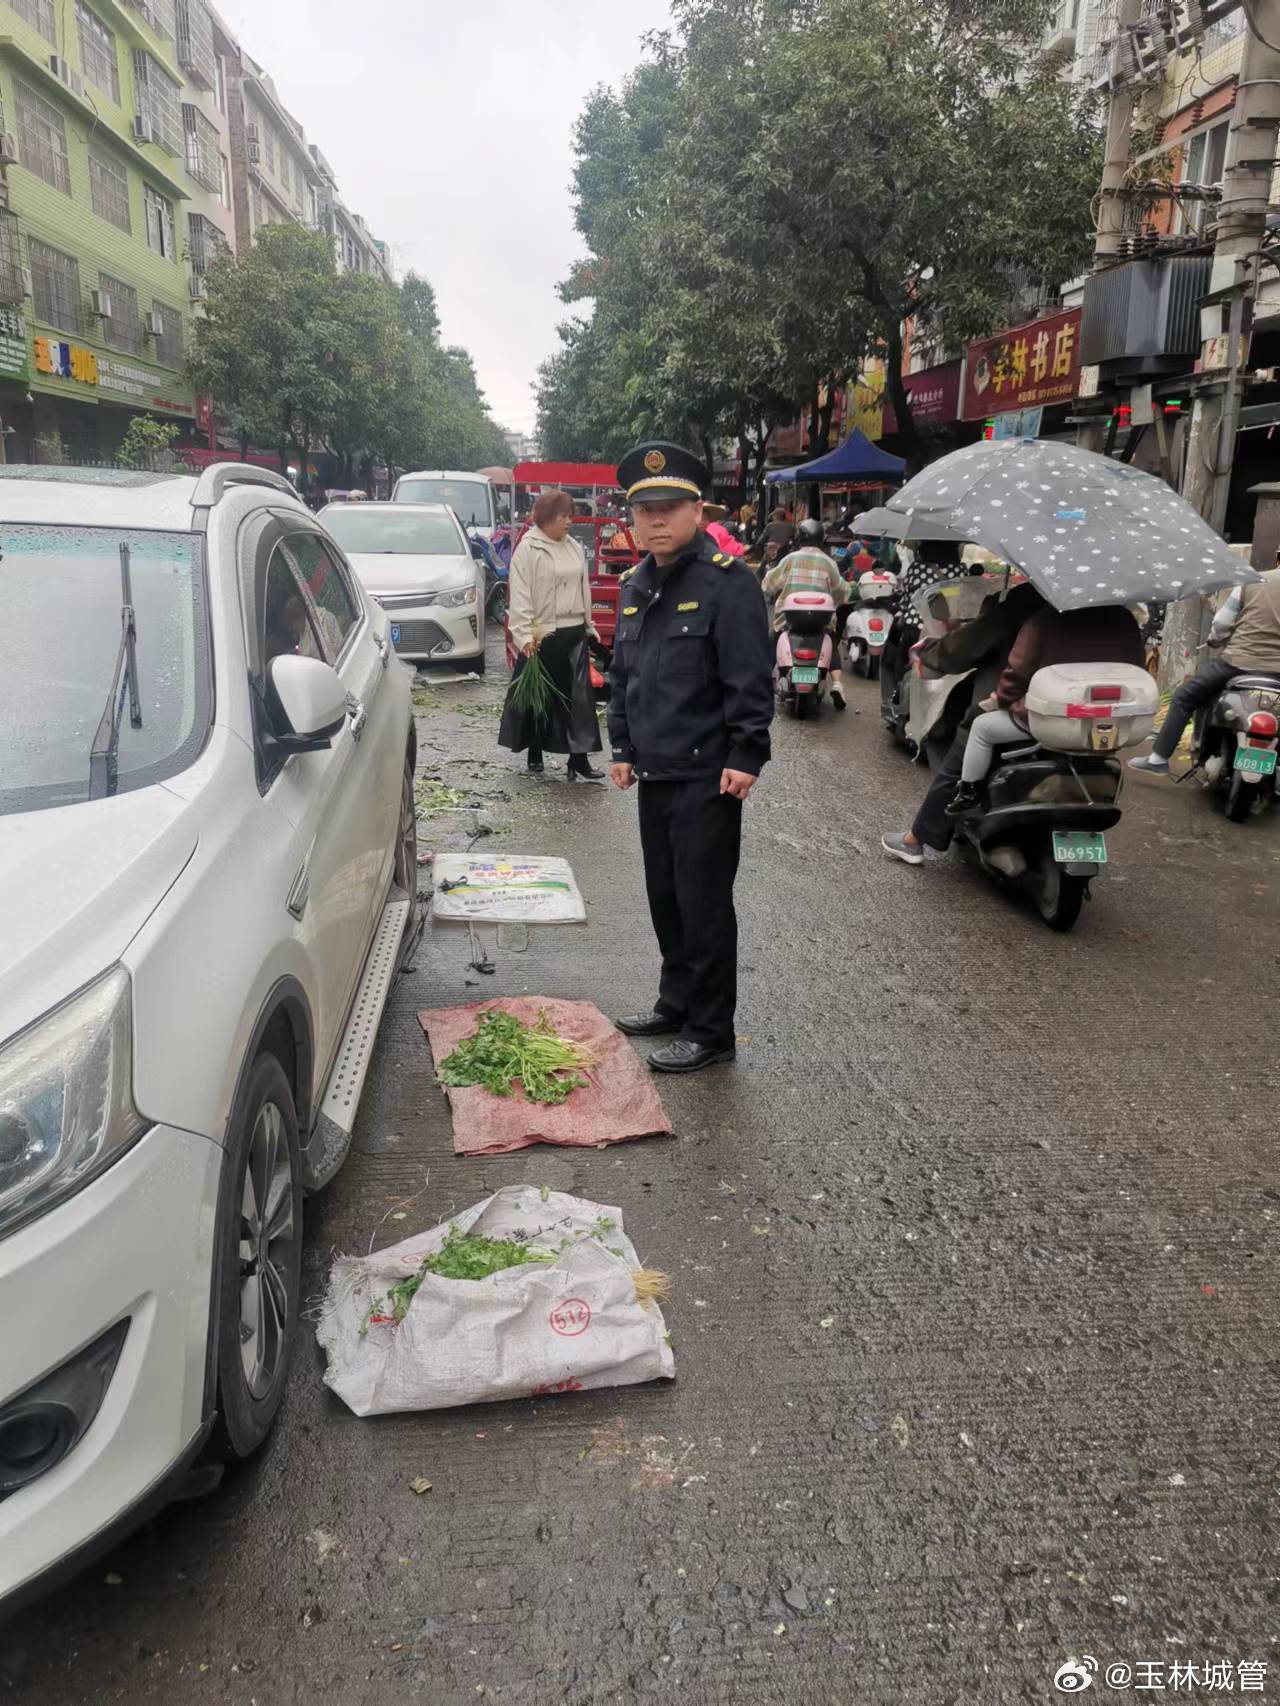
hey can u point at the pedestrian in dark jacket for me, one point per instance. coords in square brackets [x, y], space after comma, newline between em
[689, 721]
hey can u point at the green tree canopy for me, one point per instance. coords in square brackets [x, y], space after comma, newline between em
[785, 183]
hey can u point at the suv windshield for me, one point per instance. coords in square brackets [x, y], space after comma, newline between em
[359, 528]
[61, 595]
[469, 499]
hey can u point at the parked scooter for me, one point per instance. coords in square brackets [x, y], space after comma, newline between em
[1234, 743]
[805, 651]
[1051, 798]
[867, 631]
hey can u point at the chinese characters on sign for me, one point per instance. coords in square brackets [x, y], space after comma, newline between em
[66, 361]
[13, 344]
[934, 395]
[1025, 368]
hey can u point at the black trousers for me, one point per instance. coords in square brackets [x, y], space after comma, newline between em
[932, 825]
[691, 837]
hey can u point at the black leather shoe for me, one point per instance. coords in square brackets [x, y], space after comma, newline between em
[648, 1025]
[684, 1056]
[585, 773]
[963, 800]
[535, 767]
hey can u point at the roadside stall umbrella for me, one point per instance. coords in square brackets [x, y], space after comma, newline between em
[1085, 529]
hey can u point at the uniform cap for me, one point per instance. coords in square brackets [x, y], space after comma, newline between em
[659, 471]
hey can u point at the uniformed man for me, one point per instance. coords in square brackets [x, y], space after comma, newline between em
[689, 721]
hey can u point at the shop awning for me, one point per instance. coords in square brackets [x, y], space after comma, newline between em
[856, 459]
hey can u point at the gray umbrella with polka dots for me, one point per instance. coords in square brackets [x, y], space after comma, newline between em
[1085, 529]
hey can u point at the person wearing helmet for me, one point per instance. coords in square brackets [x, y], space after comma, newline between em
[808, 568]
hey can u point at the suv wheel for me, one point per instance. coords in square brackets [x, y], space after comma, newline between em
[261, 1273]
[406, 867]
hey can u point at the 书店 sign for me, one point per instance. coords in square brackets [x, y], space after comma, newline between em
[1029, 367]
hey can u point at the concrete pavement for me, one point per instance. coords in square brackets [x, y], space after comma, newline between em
[975, 1308]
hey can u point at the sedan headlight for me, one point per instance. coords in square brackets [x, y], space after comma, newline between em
[66, 1099]
[458, 595]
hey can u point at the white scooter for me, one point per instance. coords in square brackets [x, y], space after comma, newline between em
[866, 632]
[805, 651]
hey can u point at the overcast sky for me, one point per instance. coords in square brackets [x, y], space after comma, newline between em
[449, 124]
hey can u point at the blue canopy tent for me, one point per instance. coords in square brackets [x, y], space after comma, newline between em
[856, 459]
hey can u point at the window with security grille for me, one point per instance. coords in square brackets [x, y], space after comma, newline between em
[12, 285]
[164, 17]
[159, 102]
[109, 189]
[159, 215]
[203, 154]
[39, 14]
[195, 42]
[42, 138]
[98, 57]
[122, 328]
[168, 341]
[269, 146]
[204, 242]
[55, 286]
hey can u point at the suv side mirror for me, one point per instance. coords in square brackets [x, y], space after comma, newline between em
[308, 703]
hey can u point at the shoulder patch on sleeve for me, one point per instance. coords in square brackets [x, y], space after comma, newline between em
[721, 561]
[632, 610]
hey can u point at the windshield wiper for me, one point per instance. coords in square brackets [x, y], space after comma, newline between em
[104, 773]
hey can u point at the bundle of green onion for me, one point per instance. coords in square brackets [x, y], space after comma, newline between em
[533, 692]
[503, 1052]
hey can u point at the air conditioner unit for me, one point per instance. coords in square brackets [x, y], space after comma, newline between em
[251, 131]
[65, 75]
[255, 154]
[143, 129]
[155, 324]
[8, 148]
[100, 303]
[199, 287]
[28, 288]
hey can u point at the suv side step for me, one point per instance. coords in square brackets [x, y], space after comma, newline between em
[326, 1148]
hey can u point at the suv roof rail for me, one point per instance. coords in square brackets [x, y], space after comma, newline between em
[214, 483]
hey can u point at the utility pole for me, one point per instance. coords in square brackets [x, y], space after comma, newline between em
[1111, 204]
[1227, 318]
[1227, 315]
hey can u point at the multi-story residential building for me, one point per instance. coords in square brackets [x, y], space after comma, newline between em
[94, 291]
[274, 177]
[355, 248]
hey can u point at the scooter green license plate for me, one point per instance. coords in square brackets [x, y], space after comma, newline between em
[804, 674]
[1078, 847]
[1255, 761]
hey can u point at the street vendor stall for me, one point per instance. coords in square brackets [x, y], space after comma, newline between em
[854, 466]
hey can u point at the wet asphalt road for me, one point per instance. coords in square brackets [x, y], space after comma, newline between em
[975, 1309]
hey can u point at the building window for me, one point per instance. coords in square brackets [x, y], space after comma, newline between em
[202, 150]
[257, 208]
[39, 14]
[269, 144]
[159, 214]
[225, 193]
[122, 328]
[98, 56]
[205, 244]
[42, 138]
[159, 100]
[55, 287]
[162, 15]
[109, 189]
[168, 340]
[195, 42]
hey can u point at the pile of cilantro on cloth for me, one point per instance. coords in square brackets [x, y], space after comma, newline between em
[503, 1052]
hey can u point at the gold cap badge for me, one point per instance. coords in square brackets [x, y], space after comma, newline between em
[655, 462]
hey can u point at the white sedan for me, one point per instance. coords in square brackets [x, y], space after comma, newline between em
[418, 563]
[208, 848]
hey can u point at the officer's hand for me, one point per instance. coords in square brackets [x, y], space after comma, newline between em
[738, 783]
[623, 775]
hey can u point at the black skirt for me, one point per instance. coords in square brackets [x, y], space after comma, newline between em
[571, 724]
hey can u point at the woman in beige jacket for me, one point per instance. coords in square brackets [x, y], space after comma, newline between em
[549, 611]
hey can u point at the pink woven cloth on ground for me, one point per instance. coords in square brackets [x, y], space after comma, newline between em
[619, 1103]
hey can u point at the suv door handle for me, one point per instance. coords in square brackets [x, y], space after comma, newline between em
[358, 715]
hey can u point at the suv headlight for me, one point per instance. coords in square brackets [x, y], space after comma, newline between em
[66, 1099]
[458, 595]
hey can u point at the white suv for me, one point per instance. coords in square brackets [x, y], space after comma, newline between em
[208, 872]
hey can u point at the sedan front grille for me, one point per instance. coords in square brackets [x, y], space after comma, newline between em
[418, 637]
[403, 600]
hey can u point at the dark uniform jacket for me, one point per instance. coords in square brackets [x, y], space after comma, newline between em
[692, 669]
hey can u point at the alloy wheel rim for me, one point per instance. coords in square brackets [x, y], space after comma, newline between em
[267, 1235]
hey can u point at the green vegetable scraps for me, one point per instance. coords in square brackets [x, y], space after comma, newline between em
[533, 692]
[503, 1052]
[462, 1256]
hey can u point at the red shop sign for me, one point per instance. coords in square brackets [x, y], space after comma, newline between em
[1025, 368]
